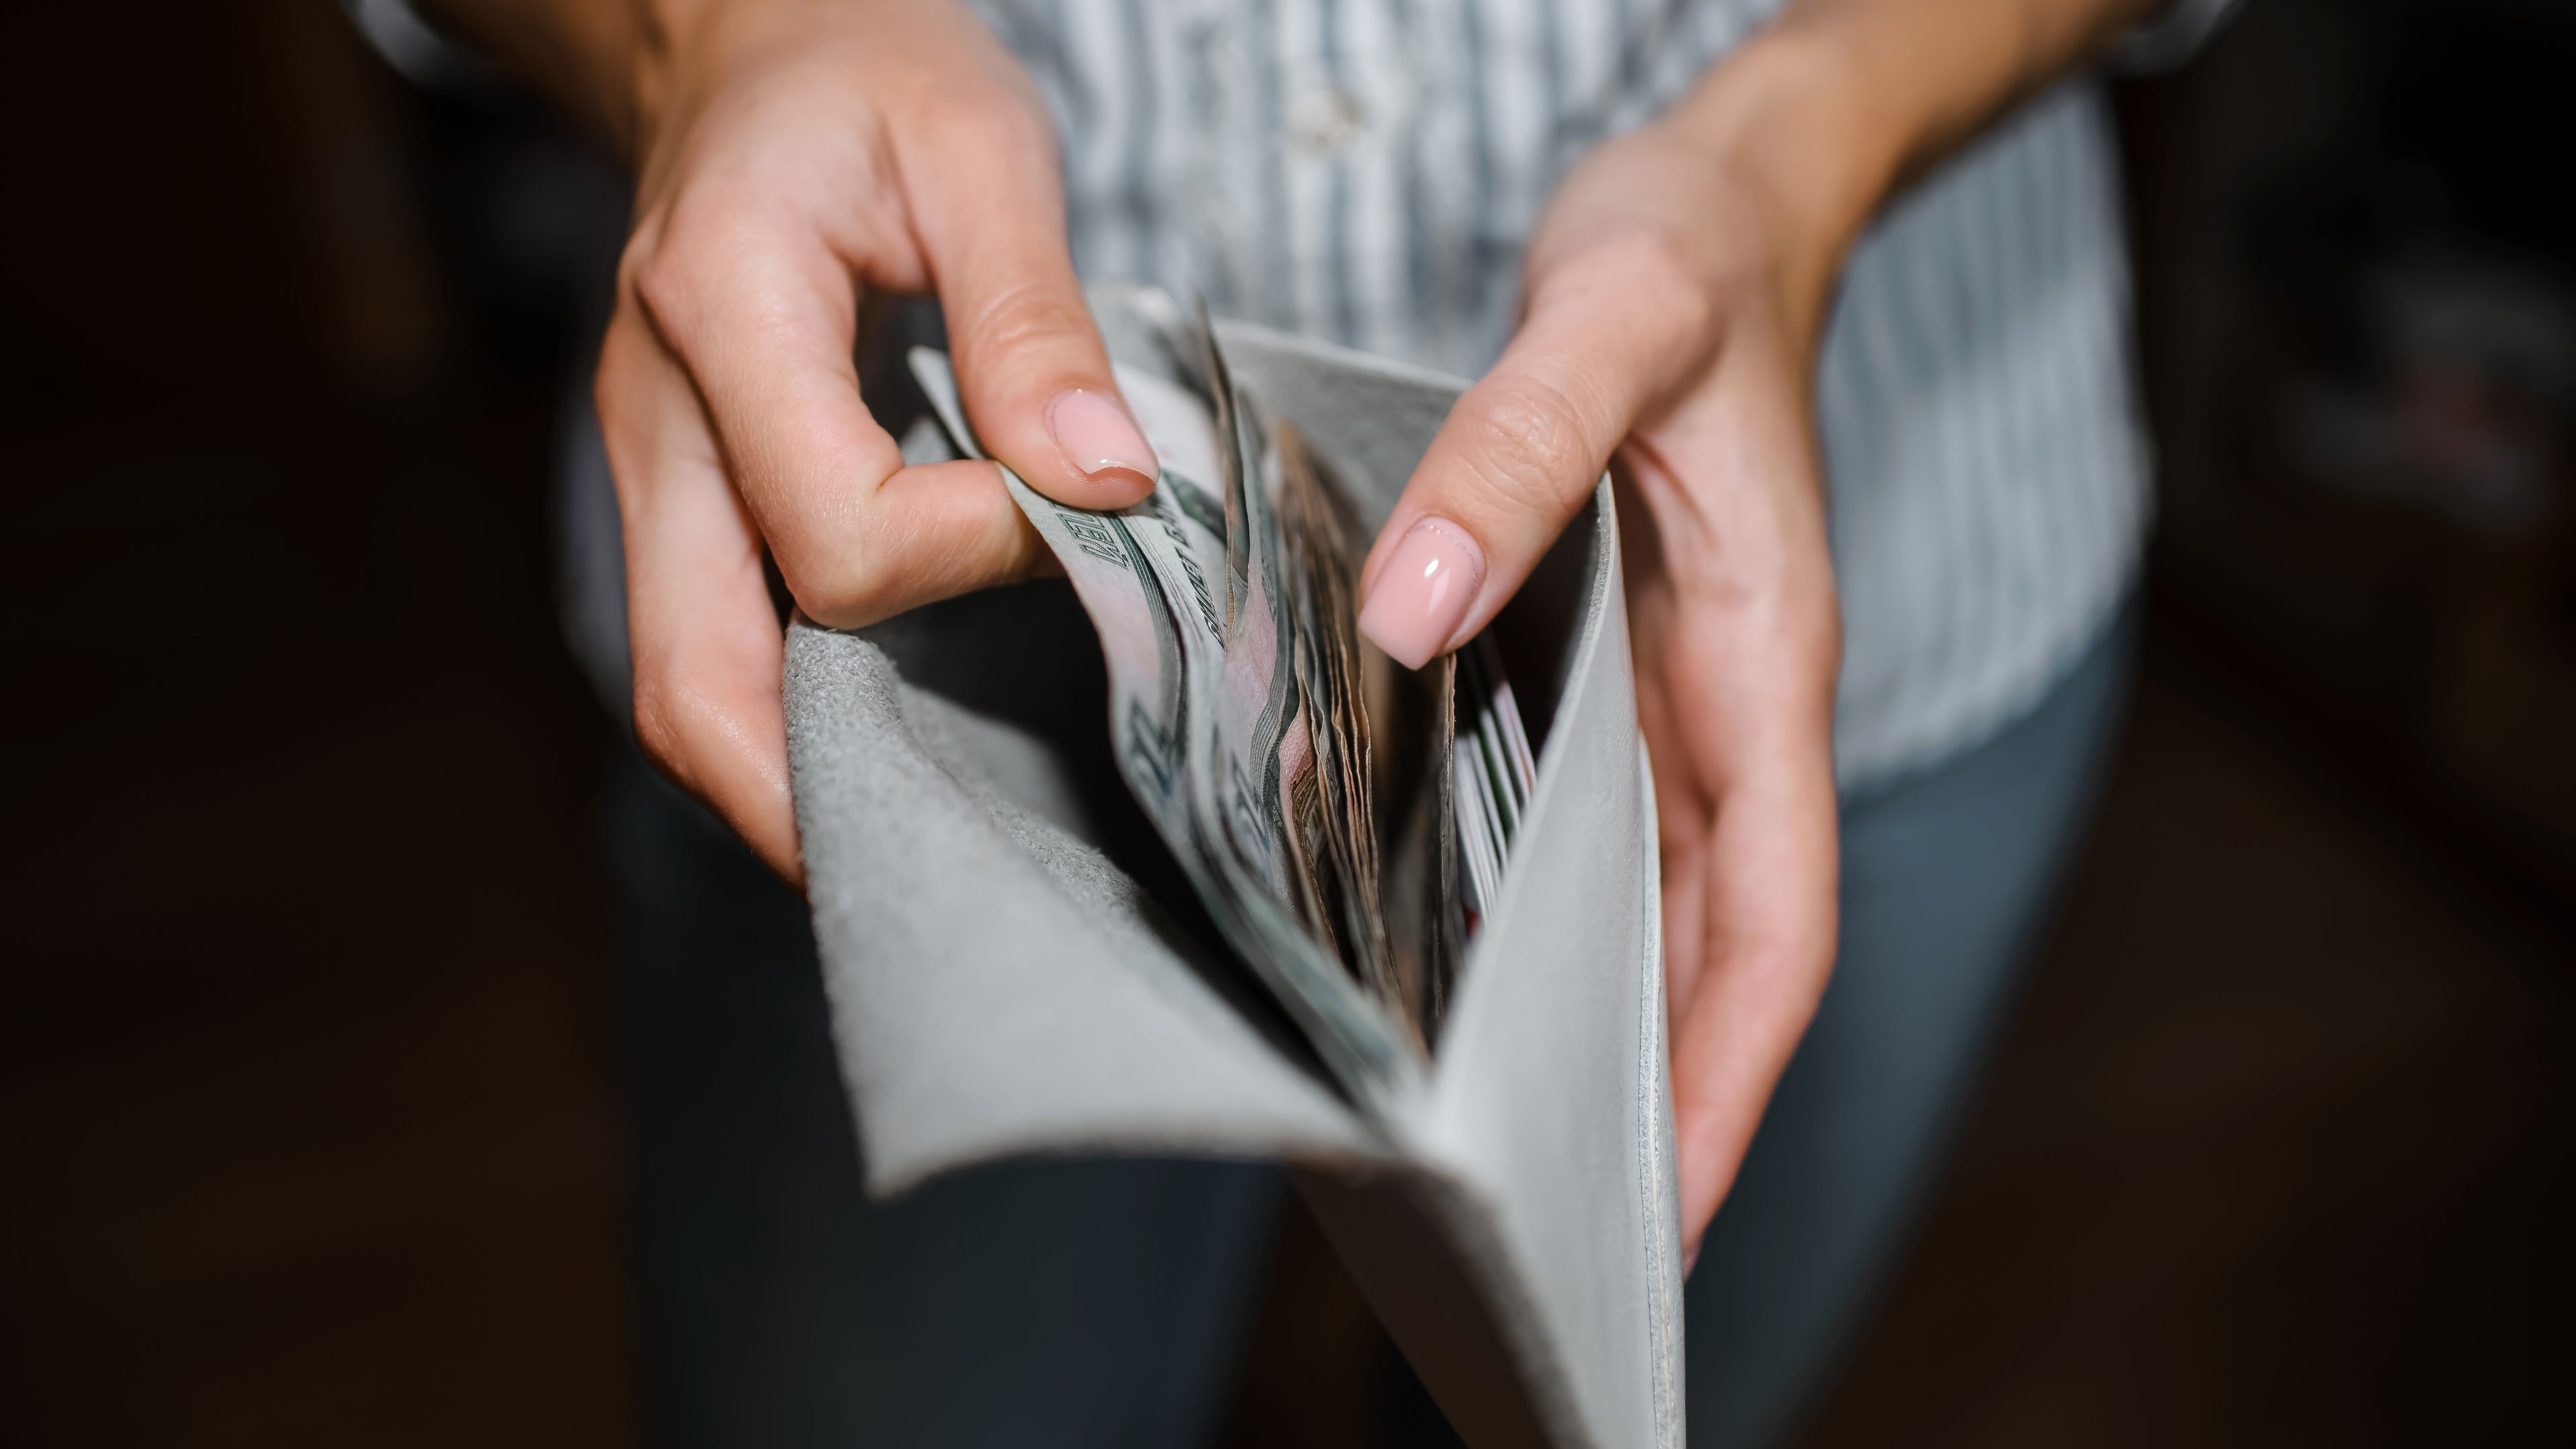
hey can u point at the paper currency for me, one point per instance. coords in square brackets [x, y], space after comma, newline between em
[1496, 774]
[1325, 836]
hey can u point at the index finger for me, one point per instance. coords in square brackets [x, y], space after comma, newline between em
[1519, 454]
[763, 315]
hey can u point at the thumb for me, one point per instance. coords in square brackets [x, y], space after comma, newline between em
[1518, 455]
[1031, 368]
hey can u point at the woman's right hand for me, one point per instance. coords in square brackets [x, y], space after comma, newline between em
[793, 157]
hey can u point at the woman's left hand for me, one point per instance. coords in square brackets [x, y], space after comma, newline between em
[1672, 299]
[1662, 332]
[1673, 303]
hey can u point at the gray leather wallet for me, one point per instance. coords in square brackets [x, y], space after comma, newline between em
[1014, 967]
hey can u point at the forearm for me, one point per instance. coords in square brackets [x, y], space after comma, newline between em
[1838, 102]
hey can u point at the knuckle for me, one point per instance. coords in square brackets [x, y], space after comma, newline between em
[657, 726]
[658, 277]
[644, 249]
[1533, 445]
[1665, 267]
[1654, 258]
[1023, 314]
[847, 589]
[987, 123]
[704, 252]
[1662, 282]
[637, 254]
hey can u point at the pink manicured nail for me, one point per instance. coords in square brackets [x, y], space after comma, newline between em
[1099, 439]
[1424, 593]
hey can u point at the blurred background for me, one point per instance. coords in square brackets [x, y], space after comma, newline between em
[309, 1109]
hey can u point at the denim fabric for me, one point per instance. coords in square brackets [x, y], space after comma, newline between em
[1946, 882]
[1076, 1303]
[1051, 1303]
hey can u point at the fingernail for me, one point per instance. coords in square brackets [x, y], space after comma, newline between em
[1424, 593]
[1100, 440]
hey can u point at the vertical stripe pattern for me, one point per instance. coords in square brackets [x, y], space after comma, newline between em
[1366, 171]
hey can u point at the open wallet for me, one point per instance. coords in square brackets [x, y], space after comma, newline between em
[1023, 958]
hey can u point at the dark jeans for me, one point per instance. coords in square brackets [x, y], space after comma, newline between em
[1947, 878]
[1088, 1302]
[1039, 1303]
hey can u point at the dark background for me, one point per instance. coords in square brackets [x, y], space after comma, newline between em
[309, 1130]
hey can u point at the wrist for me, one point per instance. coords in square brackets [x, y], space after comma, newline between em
[690, 51]
[1789, 123]
[1826, 110]
[682, 49]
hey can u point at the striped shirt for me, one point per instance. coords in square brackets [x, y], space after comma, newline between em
[1366, 170]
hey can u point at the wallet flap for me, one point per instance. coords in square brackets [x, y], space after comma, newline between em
[999, 985]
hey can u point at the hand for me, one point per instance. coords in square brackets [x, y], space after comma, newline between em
[1669, 329]
[1671, 302]
[794, 158]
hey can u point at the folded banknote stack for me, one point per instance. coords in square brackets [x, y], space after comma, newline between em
[1164, 858]
[1319, 797]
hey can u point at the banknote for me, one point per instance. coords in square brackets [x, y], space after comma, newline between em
[1342, 820]
[1495, 773]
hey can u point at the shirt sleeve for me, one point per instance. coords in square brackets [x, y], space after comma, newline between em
[2170, 38]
